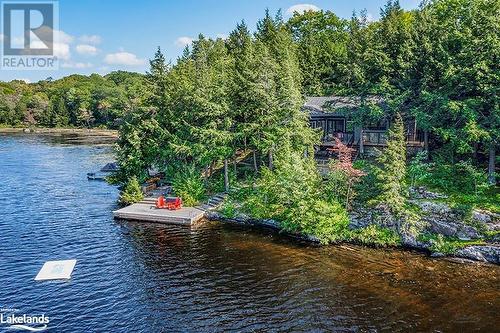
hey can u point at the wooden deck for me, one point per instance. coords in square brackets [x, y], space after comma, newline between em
[146, 211]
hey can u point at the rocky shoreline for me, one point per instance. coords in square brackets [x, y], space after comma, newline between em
[73, 135]
[438, 218]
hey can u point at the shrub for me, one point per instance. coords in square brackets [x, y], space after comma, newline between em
[446, 245]
[460, 177]
[418, 170]
[290, 194]
[328, 221]
[188, 184]
[375, 235]
[228, 209]
[342, 175]
[392, 175]
[132, 192]
[216, 182]
[367, 189]
[336, 185]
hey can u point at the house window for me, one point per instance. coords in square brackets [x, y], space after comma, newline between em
[339, 125]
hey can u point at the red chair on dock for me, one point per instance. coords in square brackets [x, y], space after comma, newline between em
[170, 203]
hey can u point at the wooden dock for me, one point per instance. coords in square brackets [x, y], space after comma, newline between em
[147, 211]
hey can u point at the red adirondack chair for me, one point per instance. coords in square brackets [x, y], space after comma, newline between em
[170, 203]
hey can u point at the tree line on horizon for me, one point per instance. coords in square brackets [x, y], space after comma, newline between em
[438, 63]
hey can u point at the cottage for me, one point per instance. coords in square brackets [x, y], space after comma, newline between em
[333, 115]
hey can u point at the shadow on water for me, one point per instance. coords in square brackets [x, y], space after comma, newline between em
[138, 277]
[258, 280]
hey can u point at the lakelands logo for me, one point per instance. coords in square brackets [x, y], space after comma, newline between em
[32, 323]
[29, 35]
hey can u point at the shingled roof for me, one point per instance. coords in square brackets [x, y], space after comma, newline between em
[319, 105]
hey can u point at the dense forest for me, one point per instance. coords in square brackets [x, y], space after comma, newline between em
[73, 101]
[226, 100]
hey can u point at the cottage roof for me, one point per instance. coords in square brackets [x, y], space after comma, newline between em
[320, 105]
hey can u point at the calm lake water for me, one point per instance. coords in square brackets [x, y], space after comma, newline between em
[135, 277]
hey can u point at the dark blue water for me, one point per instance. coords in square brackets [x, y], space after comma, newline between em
[135, 277]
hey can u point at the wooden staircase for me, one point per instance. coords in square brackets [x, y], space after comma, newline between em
[213, 202]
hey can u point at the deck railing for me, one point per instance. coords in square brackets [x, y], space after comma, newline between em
[371, 137]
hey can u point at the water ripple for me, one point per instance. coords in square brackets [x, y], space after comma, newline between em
[138, 277]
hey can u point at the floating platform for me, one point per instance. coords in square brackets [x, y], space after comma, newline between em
[148, 212]
[56, 270]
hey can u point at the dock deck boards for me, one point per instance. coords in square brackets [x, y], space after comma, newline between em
[148, 212]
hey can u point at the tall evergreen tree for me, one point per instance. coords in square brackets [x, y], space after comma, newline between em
[393, 172]
[157, 77]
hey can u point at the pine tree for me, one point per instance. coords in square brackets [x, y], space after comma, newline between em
[280, 88]
[393, 169]
[321, 39]
[157, 78]
[132, 192]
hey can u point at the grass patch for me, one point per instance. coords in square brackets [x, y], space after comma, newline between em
[376, 236]
[228, 209]
[447, 245]
[490, 235]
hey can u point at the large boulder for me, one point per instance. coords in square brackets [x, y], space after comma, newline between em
[452, 229]
[490, 220]
[486, 253]
[441, 219]
[421, 192]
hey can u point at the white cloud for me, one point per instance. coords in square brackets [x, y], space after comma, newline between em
[62, 37]
[222, 36]
[61, 51]
[183, 41]
[123, 58]
[78, 65]
[91, 39]
[301, 8]
[60, 44]
[25, 80]
[86, 49]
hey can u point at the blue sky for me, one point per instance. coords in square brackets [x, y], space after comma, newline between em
[99, 36]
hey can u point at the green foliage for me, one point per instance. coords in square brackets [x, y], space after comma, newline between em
[188, 184]
[132, 192]
[393, 170]
[328, 221]
[336, 186]
[290, 194]
[376, 236]
[419, 172]
[139, 145]
[216, 182]
[460, 177]
[447, 245]
[492, 235]
[465, 185]
[488, 200]
[228, 209]
[75, 101]
[367, 189]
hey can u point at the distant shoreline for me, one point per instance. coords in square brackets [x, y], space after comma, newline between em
[74, 135]
[61, 131]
